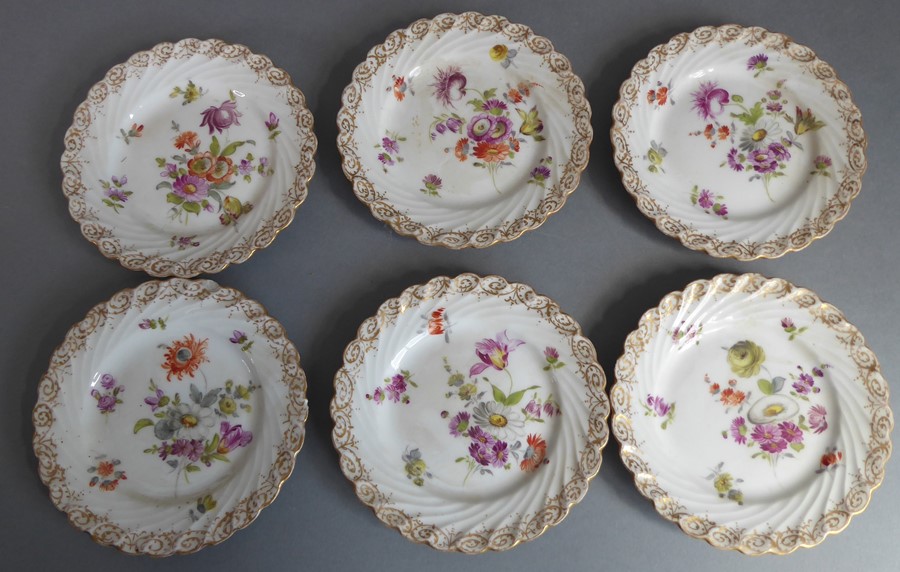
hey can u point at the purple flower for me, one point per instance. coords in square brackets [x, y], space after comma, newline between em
[222, 117]
[120, 182]
[377, 395]
[385, 159]
[272, 123]
[116, 194]
[733, 162]
[710, 100]
[774, 447]
[145, 324]
[498, 454]
[454, 124]
[191, 188]
[489, 128]
[432, 182]
[263, 162]
[763, 161]
[774, 107]
[765, 434]
[153, 401]
[658, 405]
[705, 200]
[551, 409]
[533, 409]
[493, 104]
[179, 447]
[107, 381]
[801, 387]
[551, 354]
[440, 128]
[478, 435]
[822, 162]
[459, 425]
[449, 85]
[398, 383]
[817, 419]
[494, 353]
[105, 403]
[758, 62]
[193, 449]
[232, 437]
[779, 151]
[787, 323]
[774, 94]
[480, 453]
[171, 169]
[390, 145]
[237, 337]
[540, 173]
[164, 450]
[790, 432]
[739, 430]
[246, 167]
[722, 210]
[818, 372]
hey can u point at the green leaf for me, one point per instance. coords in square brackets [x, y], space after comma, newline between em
[191, 207]
[499, 396]
[460, 459]
[192, 468]
[664, 424]
[164, 185]
[173, 198]
[765, 386]
[514, 398]
[220, 457]
[751, 116]
[231, 148]
[160, 162]
[141, 423]
[737, 98]
[797, 446]
[214, 146]
[196, 396]
[489, 93]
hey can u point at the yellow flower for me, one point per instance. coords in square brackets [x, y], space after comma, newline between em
[723, 483]
[745, 358]
[415, 468]
[467, 391]
[499, 52]
[227, 405]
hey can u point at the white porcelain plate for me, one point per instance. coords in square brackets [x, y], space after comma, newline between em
[464, 130]
[739, 142]
[188, 157]
[752, 414]
[470, 413]
[169, 417]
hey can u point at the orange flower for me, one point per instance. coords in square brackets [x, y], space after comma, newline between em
[709, 131]
[184, 357]
[724, 132]
[514, 95]
[662, 95]
[436, 322]
[187, 140]
[105, 469]
[462, 149]
[221, 171]
[535, 454]
[731, 397]
[109, 485]
[202, 165]
[829, 459]
[651, 96]
[525, 87]
[492, 152]
[514, 143]
[399, 88]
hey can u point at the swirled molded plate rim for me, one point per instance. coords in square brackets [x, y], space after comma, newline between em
[244, 245]
[410, 526]
[818, 225]
[162, 544]
[696, 525]
[402, 224]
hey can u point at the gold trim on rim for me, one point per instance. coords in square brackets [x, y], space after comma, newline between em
[376, 200]
[557, 507]
[818, 225]
[785, 541]
[159, 544]
[79, 132]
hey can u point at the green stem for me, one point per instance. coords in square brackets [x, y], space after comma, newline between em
[510, 382]
[491, 168]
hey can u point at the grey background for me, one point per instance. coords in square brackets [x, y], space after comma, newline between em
[599, 258]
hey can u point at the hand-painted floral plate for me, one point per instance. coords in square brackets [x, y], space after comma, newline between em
[169, 417]
[464, 130]
[739, 142]
[470, 413]
[188, 157]
[752, 414]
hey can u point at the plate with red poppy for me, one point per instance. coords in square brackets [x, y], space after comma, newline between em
[169, 417]
[739, 142]
[470, 413]
[188, 157]
[752, 414]
[464, 130]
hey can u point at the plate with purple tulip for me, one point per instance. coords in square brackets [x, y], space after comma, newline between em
[464, 130]
[739, 142]
[188, 157]
[752, 414]
[470, 413]
[170, 417]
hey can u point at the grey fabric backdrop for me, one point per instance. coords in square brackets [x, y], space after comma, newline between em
[599, 258]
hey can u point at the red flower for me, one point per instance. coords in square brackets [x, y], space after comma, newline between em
[651, 96]
[535, 455]
[714, 388]
[731, 397]
[184, 357]
[105, 469]
[187, 140]
[399, 88]
[221, 171]
[709, 131]
[662, 94]
[109, 485]
[436, 322]
[724, 132]
[462, 149]
[830, 459]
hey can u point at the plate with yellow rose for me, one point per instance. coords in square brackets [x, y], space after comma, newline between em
[464, 130]
[752, 414]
